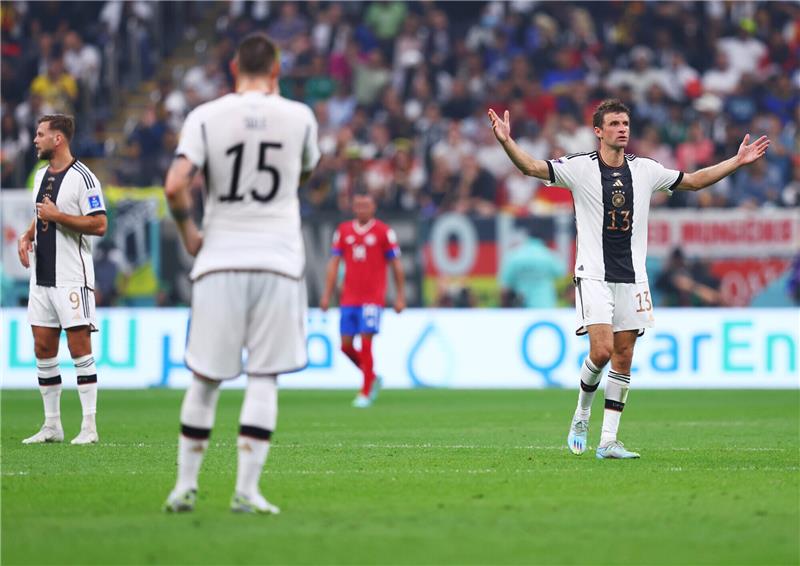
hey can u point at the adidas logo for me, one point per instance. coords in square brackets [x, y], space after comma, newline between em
[617, 183]
[580, 268]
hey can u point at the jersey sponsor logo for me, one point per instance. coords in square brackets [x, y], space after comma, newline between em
[370, 239]
[94, 202]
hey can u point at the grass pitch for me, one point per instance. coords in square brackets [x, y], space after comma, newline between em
[423, 477]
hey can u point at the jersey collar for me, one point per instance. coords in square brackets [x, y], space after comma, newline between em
[363, 229]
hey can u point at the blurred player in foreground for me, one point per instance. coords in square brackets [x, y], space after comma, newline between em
[69, 208]
[367, 245]
[254, 147]
[612, 190]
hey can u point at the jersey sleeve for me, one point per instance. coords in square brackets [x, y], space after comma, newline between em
[336, 246]
[391, 250]
[192, 144]
[563, 172]
[663, 179]
[311, 153]
[90, 194]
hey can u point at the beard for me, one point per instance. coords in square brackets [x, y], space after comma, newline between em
[46, 154]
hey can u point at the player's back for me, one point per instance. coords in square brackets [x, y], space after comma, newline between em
[255, 147]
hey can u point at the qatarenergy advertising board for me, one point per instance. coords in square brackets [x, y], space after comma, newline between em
[445, 348]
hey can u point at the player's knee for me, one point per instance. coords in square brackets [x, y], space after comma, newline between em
[600, 355]
[42, 350]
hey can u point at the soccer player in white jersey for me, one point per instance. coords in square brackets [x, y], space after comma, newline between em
[255, 148]
[611, 191]
[57, 247]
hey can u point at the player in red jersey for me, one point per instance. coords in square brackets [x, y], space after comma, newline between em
[367, 245]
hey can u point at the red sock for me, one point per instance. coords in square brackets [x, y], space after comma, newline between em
[366, 364]
[351, 352]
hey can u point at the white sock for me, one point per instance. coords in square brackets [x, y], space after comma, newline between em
[50, 387]
[617, 386]
[256, 424]
[87, 388]
[197, 419]
[590, 379]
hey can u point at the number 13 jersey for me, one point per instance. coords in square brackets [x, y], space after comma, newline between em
[252, 148]
[612, 205]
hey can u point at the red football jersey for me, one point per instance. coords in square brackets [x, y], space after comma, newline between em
[366, 251]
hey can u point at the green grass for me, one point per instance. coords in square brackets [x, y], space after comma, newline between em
[423, 477]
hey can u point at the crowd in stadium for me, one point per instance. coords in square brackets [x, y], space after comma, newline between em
[401, 92]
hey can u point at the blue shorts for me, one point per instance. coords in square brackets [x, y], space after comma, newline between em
[362, 319]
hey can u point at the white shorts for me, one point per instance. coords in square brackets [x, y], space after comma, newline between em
[261, 312]
[625, 306]
[61, 307]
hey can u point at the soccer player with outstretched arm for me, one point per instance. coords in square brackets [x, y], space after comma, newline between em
[611, 191]
[255, 148]
[366, 245]
[58, 249]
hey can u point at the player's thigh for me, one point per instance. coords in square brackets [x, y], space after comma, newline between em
[42, 311]
[633, 307]
[218, 323]
[45, 341]
[276, 333]
[370, 319]
[601, 343]
[594, 304]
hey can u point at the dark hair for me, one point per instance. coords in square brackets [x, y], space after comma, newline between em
[256, 54]
[61, 122]
[608, 106]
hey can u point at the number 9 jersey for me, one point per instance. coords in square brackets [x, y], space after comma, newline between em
[253, 148]
[612, 205]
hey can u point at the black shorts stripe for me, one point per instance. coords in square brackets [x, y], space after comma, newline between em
[195, 433]
[255, 432]
[48, 381]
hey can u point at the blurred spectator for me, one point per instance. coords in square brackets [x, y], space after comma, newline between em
[15, 142]
[475, 189]
[370, 77]
[744, 51]
[723, 78]
[696, 152]
[756, 185]
[529, 271]
[290, 24]
[82, 61]
[110, 273]
[682, 286]
[57, 88]
[206, 79]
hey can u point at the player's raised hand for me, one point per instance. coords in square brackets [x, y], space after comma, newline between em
[501, 128]
[750, 152]
[24, 247]
[47, 210]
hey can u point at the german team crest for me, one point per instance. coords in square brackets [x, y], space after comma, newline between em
[617, 199]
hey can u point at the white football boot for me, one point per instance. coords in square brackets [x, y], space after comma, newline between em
[241, 503]
[87, 435]
[180, 501]
[47, 433]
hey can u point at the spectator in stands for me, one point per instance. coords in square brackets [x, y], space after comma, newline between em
[682, 286]
[58, 89]
[453, 149]
[529, 270]
[744, 51]
[385, 19]
[290, 24]
[206, 79]
[723, 77]
[475, 188]
[370, 77]
[82, 61]
[757, 185]
[148, 135]
[696, 152]
[15, 143]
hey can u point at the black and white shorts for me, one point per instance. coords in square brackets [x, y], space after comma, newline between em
[625, 306]
[61, 307]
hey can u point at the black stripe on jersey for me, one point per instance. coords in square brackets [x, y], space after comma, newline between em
[551, 172]
[617, 183]
[593, 155]
[572, 155]
[80, 255]
[81, 172]
[677, 182]
[206, 160]
[86, 174]
[46, 231]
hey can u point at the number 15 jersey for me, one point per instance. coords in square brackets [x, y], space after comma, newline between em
[252, 148]
[612, 205]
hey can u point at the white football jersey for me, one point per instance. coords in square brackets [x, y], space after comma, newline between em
[62, 257]
[612, 205]
[253, 148]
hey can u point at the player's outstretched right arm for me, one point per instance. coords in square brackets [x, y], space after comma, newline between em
[524, 162]
[330, 281]
[25, 245]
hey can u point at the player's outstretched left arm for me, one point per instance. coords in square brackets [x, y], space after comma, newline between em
[94, 225]
[179, 197]
[748, 152]
[400, 284]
